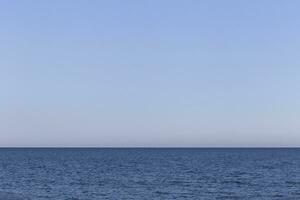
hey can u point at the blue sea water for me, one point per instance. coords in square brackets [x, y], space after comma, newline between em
[70, 174]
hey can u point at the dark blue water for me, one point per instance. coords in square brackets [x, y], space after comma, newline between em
[149, 174]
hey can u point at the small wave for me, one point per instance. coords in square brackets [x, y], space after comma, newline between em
[293, 182]
[12, 196]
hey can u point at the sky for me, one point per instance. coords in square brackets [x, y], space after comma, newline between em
[149, 73]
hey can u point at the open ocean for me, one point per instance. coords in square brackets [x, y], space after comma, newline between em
[70, 174]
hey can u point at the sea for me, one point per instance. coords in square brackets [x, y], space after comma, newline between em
[149, 173]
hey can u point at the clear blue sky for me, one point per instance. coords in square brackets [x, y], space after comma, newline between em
[150, 73]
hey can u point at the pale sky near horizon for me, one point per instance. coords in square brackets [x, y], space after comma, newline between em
[150, 73]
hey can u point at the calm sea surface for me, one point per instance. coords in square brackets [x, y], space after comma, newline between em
[149, 174]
